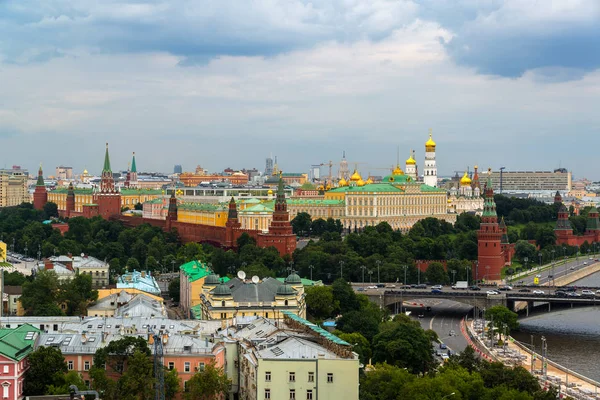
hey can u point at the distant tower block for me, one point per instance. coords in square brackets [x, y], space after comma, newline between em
[430, 170]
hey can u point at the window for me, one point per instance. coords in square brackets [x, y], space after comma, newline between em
[309, 395]
[55, 327]
[185, 386]
[171, 365]
[292, 394]
[5, 390]
[119, 366]
[186, 367]
[330, 378]
[201, 366]
[267, 393]
[86, 365]
[268, 376]
[292, 377]
[223, 315]
[70, 365]
[6, 369]
[311, 376]
[223, 303]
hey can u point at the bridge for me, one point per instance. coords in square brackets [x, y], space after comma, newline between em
[480, 299]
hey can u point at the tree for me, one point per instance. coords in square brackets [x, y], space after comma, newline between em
[46, 367]
[320, 303]
[245, 239]
[138, 207]
[436, 273]
[50, 210]
[14, 278]
[40, 296]
[133, 264]
[364, 322]
[384, 382]
[343, 293]
[301, 223]
[174, 289]
[359, 343]
[525, 249]
[208, 384]
[501, 315]
[77, 294]
[172, 383]
[70, 378]
[137, 382]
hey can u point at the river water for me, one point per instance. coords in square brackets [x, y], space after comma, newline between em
[573, 335]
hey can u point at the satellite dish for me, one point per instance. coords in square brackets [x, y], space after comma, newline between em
[241, 275]
[255, 279]
[82, 254]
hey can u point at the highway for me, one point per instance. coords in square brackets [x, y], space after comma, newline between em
[558, 271]
[443, 318]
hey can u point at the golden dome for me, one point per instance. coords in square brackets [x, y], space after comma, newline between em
[328, 187]
[355, 176]
[321, 187]
[449, 201]
[430, 144]
[369, 181]
[411, 161]
[85, 171]
[397, 171]
[270, 192]
[360, 182]
[465, 180]
[342, 182]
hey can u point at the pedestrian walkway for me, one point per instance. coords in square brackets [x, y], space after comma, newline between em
[566, 381]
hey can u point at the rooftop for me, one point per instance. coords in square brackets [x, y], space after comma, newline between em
[138, 280]
[17, 343]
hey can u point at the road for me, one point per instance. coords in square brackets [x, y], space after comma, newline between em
[443, 318]
[558, 271]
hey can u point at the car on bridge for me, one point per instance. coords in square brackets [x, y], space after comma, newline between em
[439, 287]
[538, 292]
[573, 294]
[474, 287]
[588, 293]
[436, 291]
[560, 293]
[524, 290]
[492, 292]
[505, 288]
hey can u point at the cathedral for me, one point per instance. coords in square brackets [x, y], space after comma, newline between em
[467, 197]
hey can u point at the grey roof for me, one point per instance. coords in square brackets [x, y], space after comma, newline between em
[142, 306]
[249, 292]
[296, 348]
[285, 290]
[212, 279]
[293, 279]
[222, 290]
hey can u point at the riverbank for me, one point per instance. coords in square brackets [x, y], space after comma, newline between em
[546, 371]
[577, 275]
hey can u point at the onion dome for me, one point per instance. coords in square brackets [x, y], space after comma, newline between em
[449, 201]
[369, 181]
[285, 290]
[222, 290]
[465, 180]
[212, 279]
[397, 171]
[355, 176]
[293, 279]
[342, 182]
[360, 182]
[430, 144]
[85, 171]
[270, 192]
[321, 188]
[411, 161]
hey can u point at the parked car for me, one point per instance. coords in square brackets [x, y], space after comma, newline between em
[539, 292]
[361, 289]
[573, 294]
[524, 290]
[443, 346]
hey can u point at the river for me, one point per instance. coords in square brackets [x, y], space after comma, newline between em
[573, 336]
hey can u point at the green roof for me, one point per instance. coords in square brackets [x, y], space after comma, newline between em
[133, 192]
[17, 343]
[196, 311]
[195, 270]
[106, 161]
[305, 282]
[316, 329]
[158, 200]
[323, 202]
[374, 187]
[40, 179]
[396, 179]
[201, 207]
[257, 208]
[133, 167]
[77, 191]
[250, 201]
[427, 188]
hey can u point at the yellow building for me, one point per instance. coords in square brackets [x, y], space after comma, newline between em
[3, 251]
[129, 197]
[191, 280]
[13, 187]
[241, 297]
[202, 213]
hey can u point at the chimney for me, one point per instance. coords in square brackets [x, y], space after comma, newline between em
[83, 338]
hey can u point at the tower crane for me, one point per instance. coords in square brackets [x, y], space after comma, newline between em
[325, 164]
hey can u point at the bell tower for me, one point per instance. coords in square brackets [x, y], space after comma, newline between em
[430, 170]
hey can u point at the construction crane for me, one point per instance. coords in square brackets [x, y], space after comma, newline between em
[323, 164]
[159, 370]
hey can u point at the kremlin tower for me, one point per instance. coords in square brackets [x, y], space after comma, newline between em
[70, 206]
[108, 198]
[132, 178]
[40, 195]
[430, 170]
[489, 239]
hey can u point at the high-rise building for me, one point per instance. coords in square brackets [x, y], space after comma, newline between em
[177, 169]
[430, 170]
[64, 173]
[13, 187]
[560, 179]
[344, 172]
[269, 166]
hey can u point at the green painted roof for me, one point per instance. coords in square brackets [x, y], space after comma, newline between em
[396, 179]
[427, 188]
[40, 179]
[106, 167]
[201, 207]
[133, 167]
[195, 270]
[158, 200]
[317, 202]
[250, 201]
[134, 192]
[292, 174]
[316, 329]
[196, 311]
[17, 343]
[257, 208]
[77, 191]
[305, 282]
[374, 187]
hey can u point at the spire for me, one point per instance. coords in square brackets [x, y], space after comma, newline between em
[106, 161]
[489, 205]
[232, 214]
[40, 179]
[280, 191]
[133, 167]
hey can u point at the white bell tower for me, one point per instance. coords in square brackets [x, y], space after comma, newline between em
[430, 170]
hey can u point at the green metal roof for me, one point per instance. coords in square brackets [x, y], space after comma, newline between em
[195, 270]
[305, 282]
[316, 329]
[134, 192]
[317, 202]
[196, 311]
[396, 179]
[374, 187]
[17, 343]
[106, 161]
[427, 188]
[40, 179]
[257, 208]
[201, 207]
[133, 167]
[250, 201]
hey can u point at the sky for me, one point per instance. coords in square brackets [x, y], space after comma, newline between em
[226, 83]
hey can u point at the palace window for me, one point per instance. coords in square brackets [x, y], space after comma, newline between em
[267, 393]
[309, 395]
[292, 377]
[311, 376]
[268, 376]
[70, 365]
[292, 394]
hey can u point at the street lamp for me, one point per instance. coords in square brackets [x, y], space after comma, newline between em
[378, 262]
[311, 267]
[363, 273]
[453, 276]
[540, 256]
[341, 269]
[405, 269]
[370, 276]
[526, 259]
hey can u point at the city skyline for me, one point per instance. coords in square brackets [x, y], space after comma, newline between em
[500, 83]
